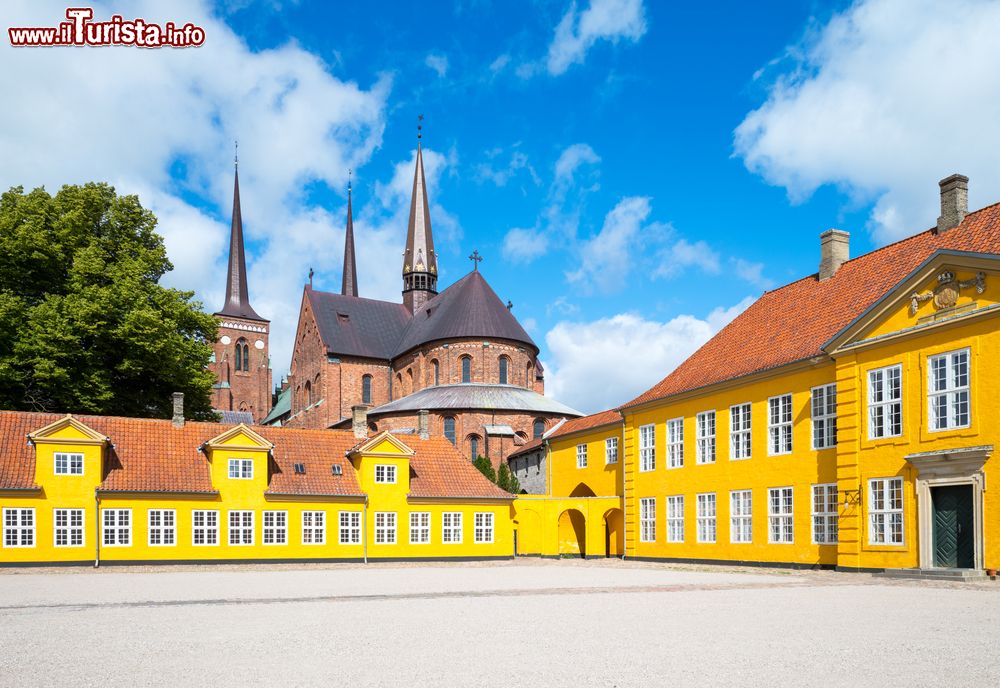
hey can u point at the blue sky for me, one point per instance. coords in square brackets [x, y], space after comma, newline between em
[633, 172]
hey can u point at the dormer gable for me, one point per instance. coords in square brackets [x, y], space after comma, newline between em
[67, 430]
[69, 457]
[382, 463]
[240, 461]
[240, 437]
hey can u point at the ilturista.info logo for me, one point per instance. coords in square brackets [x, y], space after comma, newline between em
[81, 30]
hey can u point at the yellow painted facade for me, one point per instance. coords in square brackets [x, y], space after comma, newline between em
[600, 476]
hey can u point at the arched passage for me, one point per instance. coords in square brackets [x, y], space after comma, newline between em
[614, 533]
[572, 533]
[582, 490]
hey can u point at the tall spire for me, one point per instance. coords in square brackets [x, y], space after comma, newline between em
[420, 270]
[349, 286]
[237, 297]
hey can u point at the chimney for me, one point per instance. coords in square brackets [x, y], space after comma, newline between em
[954, 202]
[359, 421]
[178, 419]
[423, 423]
[834, 251]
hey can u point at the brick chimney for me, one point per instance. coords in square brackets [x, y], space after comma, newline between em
[178, 418]
[359, 421]
[954, 202]
[834, 251]
[423, 423]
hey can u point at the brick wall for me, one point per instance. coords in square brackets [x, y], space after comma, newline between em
[247, 390]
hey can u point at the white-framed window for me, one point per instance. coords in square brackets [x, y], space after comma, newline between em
[885, 402]
[68, 525]
[204, 527]
[647, 519]
[675, 518]
[313, 527]
[241, 469]
[647, 447]
[675, 443]
[705, 437]
[385, 527]
[420, 527]
[611, 450]
[739, 431]
[779, 425]
[162, 529]
[240, 527]
[18, 527]
[451, 527]
[885, 508]
[483, 523]
[705, 516]
[275, 528]
[581, 456]
[350, 527]
[385, 473]
[824, 416]
[948, 390]
[117, 527]
[824, 514]
[741, 516]
[69, 464]
[780, 529]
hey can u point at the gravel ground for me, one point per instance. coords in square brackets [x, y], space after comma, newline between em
[526, 623]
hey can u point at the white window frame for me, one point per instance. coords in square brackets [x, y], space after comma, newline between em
[884, 409]
[208, 528]
[451, 528]
[163, 529]
[741, 517]
[780, 416]
[781, 521]
[675, 443]
[69, 530]
[675, 518]
[313, 527]
[241, 529]
[647, 448]
[420, 527]
[705, 429]
[241, 469]
[385, 527]
[825, 514]
[706, 511]
[116, 527]
[349, 530]
[16, 527]
[824, 416]
[581, 456]
[385, 474]
[483, 527]
[740, 432]
[68, 463]
[882, 514]
[610, 450]
[647, 519]
[952, 394]
[274, 523]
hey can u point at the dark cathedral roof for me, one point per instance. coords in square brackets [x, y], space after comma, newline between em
[237, 296]
[353, 326]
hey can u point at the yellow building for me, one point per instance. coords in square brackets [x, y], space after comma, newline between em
[89, 489]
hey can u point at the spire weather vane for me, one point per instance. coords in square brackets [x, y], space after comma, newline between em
[476, 260]
[236, 153]
[420, 119]
[311, 273]
[350, 173]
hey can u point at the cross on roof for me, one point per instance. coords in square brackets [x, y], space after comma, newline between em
[476, 260]
[311, 273]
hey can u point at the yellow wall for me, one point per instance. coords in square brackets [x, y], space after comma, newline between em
[603, 479]
[545, 527]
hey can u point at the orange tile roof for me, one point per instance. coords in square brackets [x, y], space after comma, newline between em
[527, 448]
[595, 420]
[439, 469]
[792, 323]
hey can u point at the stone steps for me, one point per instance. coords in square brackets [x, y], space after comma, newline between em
[934, 574]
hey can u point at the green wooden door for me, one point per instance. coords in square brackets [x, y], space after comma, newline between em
[954, 540]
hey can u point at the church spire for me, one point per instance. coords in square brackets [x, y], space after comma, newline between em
[237, 297]
[349, 286]
[420, 270]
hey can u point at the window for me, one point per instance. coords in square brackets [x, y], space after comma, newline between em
[309, 393]
[350, 527]
[647, 519]
[204, 527]
[385, 528]
[420, 527]
[885, 505]
[473, 447]
[275, 527]
[18, 527]
[162, 527]
[504, 363]
[241, 469]
[706, 517]
[451, 527]
[537, 428]
[313, 527]
[69, 527]
[824, 417]
[824, 514]
[675, 518]
[466, 369]
[885, 402]
[948, 390]
[436, 372]
[69, 464]
[611, 450]
[581, 456]
[366, 389]
[647, 447]
[675, 443]
[239, 356]
[117, 527]
[739, 431]
[449, 429]
[779, 515]
[385, 473]
[705, 437]
[483, 522]
[741, 516]
[240, 527]
[779, 425]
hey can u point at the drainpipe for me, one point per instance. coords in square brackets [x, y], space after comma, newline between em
[97, 529]
[364, 528]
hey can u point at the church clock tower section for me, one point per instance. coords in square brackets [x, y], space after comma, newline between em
[241, 361]
[420, 270]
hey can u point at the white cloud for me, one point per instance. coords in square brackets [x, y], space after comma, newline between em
[572, 158]
[750, 272]
[499, 64]
[599, 364]
[683, 254]
[438, 63]
[607, 258]
[500, 175]
[578, 31]
[883, 101]
[521, 246]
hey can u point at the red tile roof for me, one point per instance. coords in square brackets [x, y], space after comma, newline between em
[793, 323]
[439, 469]
[527, 448]
[595, 420]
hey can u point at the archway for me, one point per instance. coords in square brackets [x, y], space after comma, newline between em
[582, 490]
[614, 533]
[572, 533]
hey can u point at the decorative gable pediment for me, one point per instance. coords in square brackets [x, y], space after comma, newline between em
[68, 430]
[240, 437]
[383, 444]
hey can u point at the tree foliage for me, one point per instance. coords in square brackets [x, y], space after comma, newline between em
[506, 480]
[485, 467]
[86, 325]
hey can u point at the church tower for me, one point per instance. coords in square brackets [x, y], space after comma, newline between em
[349, 284]
[241, 361]
[420, 271]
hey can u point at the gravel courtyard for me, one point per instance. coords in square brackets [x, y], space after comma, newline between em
[524, 623]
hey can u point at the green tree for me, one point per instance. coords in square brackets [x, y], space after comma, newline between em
[485, 467]
[86, 325]
[506, 480]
